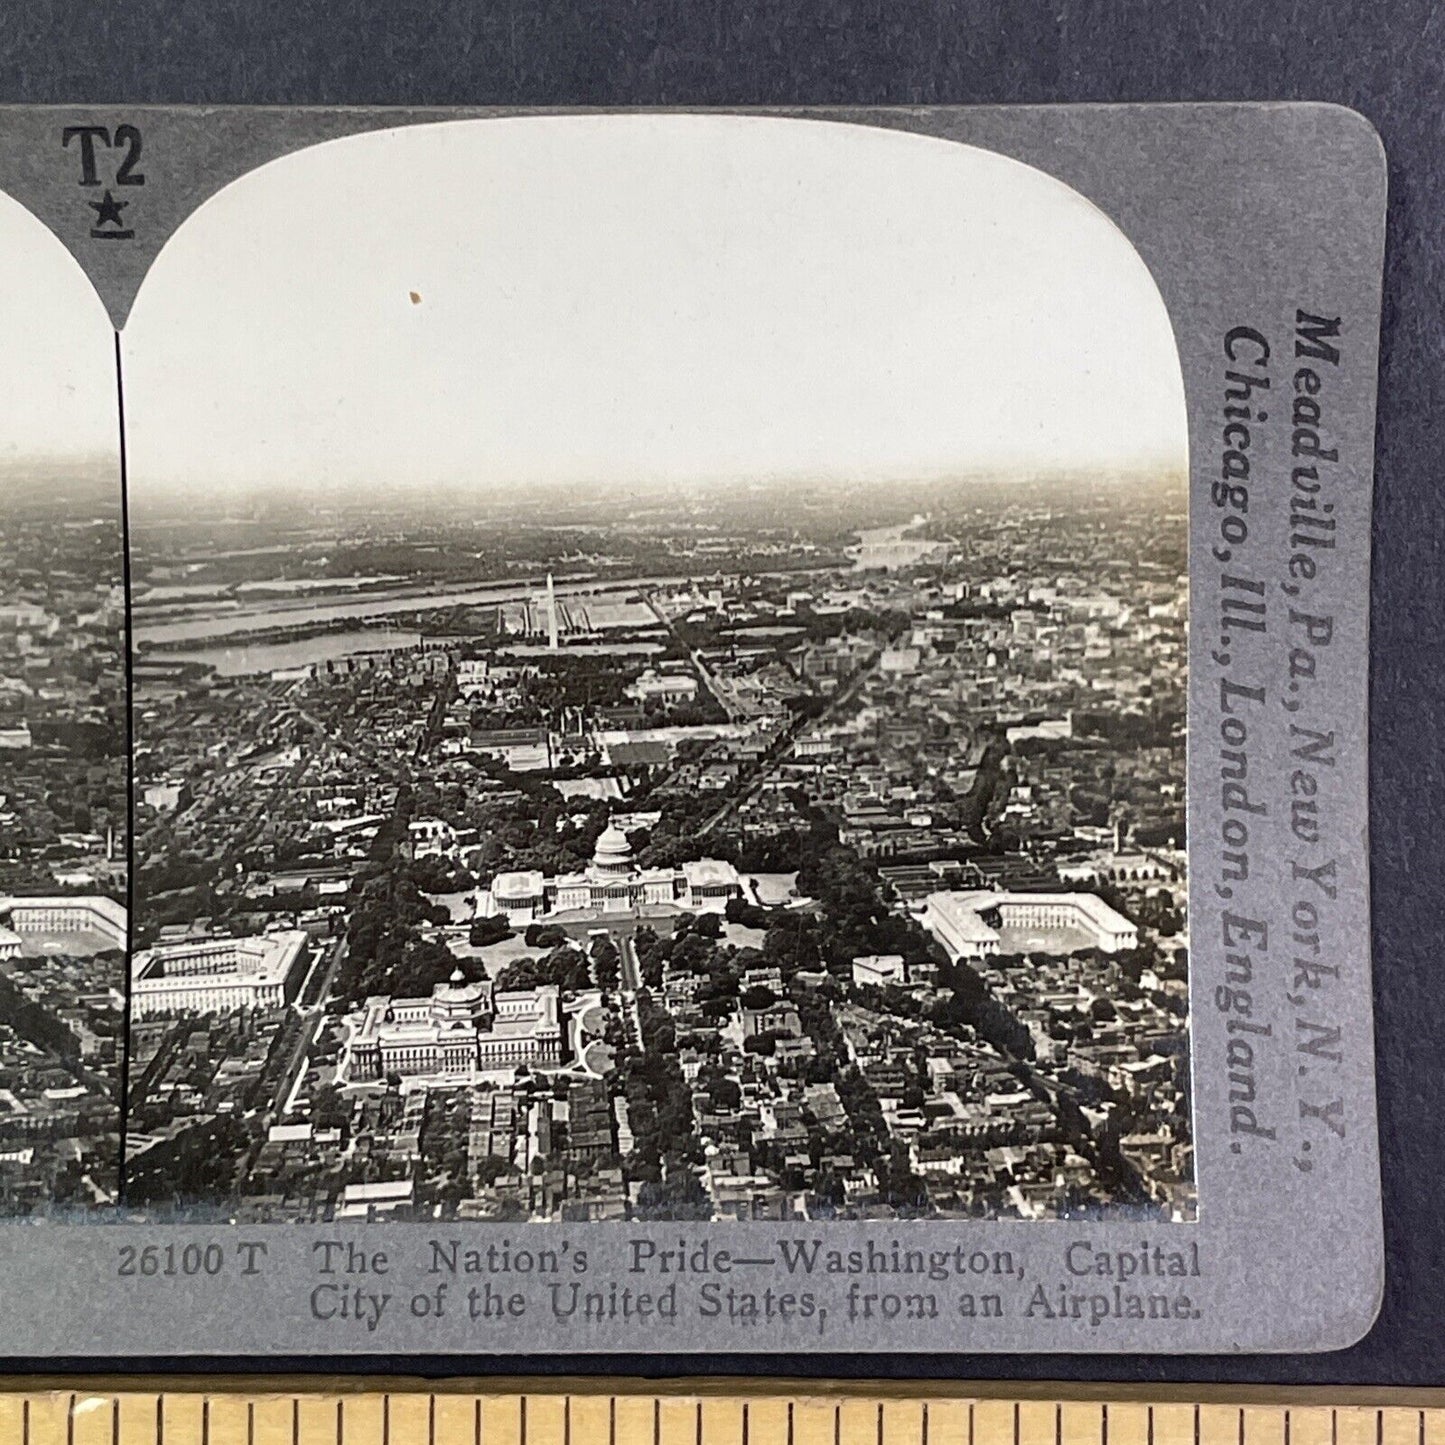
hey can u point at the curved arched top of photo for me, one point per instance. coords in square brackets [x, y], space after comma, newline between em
[541, 305]
[59, 431]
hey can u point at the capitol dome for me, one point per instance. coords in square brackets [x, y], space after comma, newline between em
[613, 854]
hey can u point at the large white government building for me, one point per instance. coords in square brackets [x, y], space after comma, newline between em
[60, 917]
[461, 1031]
[972, 924]
[219, 975]
[612, 883]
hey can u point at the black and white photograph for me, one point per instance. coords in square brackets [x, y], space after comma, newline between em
[62, 734]
[773, 703]
[660, 666]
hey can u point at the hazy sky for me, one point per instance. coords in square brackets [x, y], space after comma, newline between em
[576, 301]
[57, 355]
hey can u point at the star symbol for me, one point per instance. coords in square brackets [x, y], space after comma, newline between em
[107, 210]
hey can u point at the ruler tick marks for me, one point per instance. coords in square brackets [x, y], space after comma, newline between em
[150, 1419]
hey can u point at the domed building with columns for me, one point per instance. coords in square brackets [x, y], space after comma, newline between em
[462, 1031]
[612, 883]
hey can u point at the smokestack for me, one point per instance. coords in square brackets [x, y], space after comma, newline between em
[551, 614]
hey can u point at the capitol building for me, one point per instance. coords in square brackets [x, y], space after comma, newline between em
[462, 1031]
[612, 883]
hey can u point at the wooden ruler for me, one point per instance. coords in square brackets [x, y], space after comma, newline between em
[276, 1411]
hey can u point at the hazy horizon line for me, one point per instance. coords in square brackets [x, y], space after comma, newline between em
[36, 478]
[619, 491]
[82, 466]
